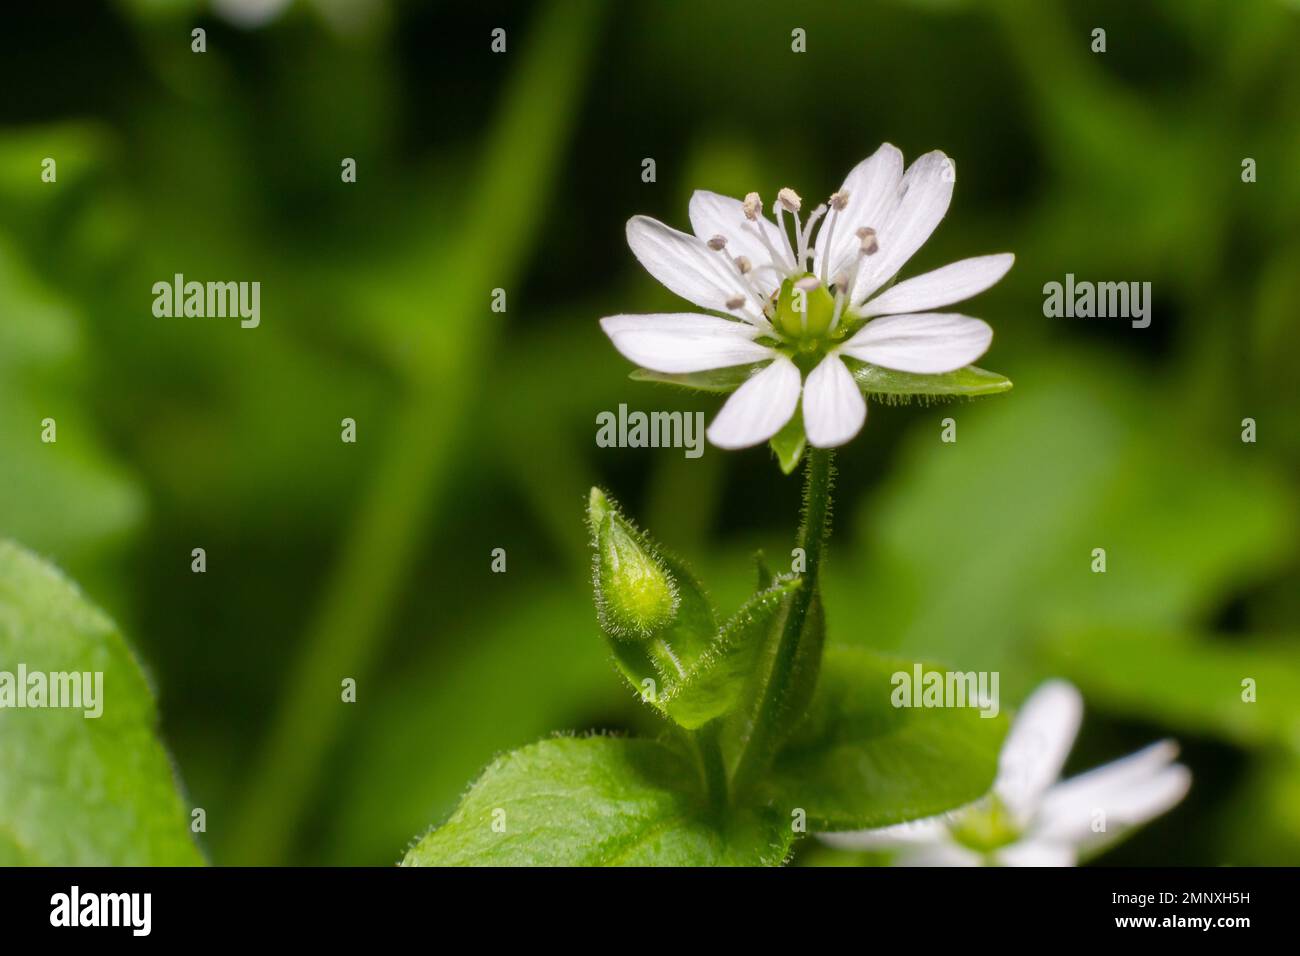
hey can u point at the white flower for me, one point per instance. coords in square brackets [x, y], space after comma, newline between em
[802, 306]
[1029, 819]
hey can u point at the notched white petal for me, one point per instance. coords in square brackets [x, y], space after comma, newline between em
[683, 341]
[1037, 746]
[923, 198]
[757, 410]
[927, 343]
[933, 290]
[833, 407]
[686, 265]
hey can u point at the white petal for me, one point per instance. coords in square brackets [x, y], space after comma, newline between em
[713, 214]
[911, 833]
[757, 410]
[684, 341]
[1037, 853]
[873, 187]
[933, 290]
[925, 342]
[923, 199]
[1129, 792]
[833, 408]
[940, 854]
[688, 267]
[1036, 748]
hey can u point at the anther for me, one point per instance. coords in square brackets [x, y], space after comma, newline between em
[744, 265]
[752, 205]
[839, 200]
[736, 302]
[868, 245]
[718, 243]
[789, 199]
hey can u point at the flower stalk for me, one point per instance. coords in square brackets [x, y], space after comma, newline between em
[798, 651]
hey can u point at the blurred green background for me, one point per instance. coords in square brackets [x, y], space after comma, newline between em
[476, 429]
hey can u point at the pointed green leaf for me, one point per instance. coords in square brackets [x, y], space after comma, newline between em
[858, 761]
[78, 790]
[597, 801]
[789, 443]
[714, 685]
[968, 382]
[718, 381]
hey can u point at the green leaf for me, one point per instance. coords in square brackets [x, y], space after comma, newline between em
[714, 685]
[789, 443]
[596, 801]
[891, 385]
[858, 761]
[78, 790]
[718, 381]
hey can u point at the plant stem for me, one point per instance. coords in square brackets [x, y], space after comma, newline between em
[776, 696]
[711, 765]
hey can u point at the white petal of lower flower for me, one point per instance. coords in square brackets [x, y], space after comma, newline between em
[873, 188]
[684, 341]
[1129, 792]
[940, 854]
[713, 214]
[911, 833]
[926, 342]
[686, 265]
[757, 410]
[1036, 748]
[833, 408]
[933, 290]
[925, 192]
[1037, 853]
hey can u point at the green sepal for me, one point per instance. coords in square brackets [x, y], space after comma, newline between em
[713, 686]
[790, 443]
[717, 381]
[899, 387]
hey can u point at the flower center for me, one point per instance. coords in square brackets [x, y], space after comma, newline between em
[985, 828]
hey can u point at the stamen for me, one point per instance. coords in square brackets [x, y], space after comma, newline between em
[767, 244]
[839, 201]
[736, 302]
[785, 237]
[718, 243]
[741, 273]
[753, 206]
[788, 198]
[805, 249]
[744, 265]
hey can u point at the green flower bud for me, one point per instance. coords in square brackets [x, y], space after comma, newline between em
[636, 595]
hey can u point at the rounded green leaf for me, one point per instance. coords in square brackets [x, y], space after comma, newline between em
[78, 790]
[597, 801]
[858, 761]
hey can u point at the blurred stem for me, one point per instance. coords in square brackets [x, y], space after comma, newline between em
[712, 768]
[503, 210]
[813, 532]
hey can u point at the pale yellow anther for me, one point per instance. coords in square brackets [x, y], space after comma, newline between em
[789, 199]
[753, 205]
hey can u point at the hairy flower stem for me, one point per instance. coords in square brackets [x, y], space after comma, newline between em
[712, 767]
[780, 692]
